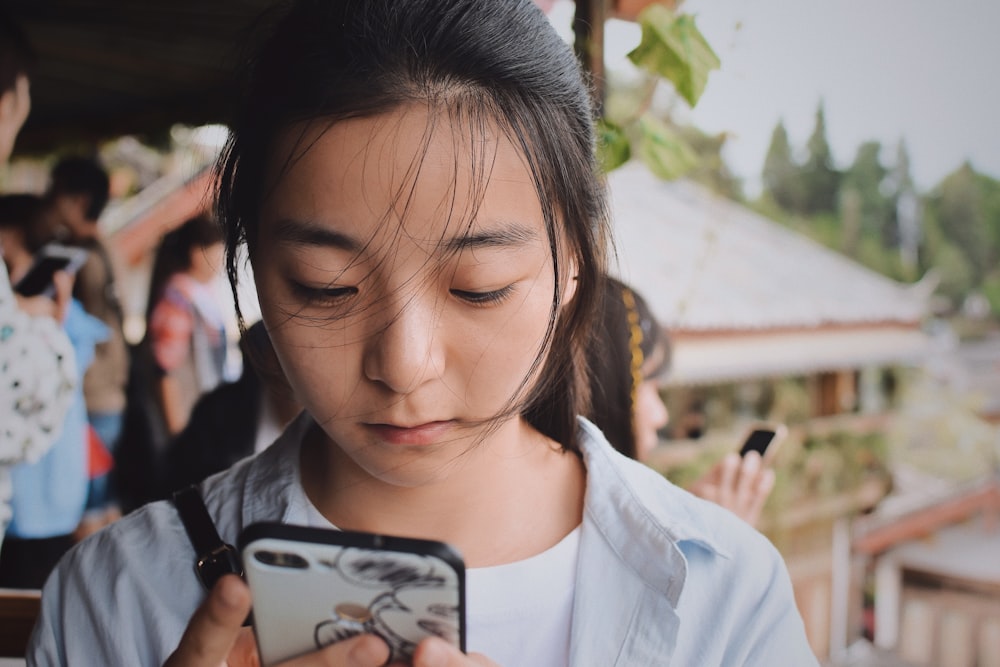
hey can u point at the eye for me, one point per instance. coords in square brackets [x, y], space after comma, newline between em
[484, 298]
[325, 295]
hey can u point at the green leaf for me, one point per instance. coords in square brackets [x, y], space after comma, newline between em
[664, 151]
[673, 47]
[613, 149]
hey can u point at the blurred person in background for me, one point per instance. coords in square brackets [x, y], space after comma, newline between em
[181, 357]
[629, 357]
[185, 323]
[77, 194]
[48, 495]
[37, 366]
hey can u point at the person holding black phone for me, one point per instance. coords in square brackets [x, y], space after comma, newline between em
[630, 354]
[37, 367]
[78, 192]
[49, 494]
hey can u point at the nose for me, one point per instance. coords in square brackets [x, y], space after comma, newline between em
[406, 350]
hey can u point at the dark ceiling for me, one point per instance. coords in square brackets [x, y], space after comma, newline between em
[112, 67]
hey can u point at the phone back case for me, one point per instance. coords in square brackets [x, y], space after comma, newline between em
[313, 587]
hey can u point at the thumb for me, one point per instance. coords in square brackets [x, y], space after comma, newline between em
[214, 627]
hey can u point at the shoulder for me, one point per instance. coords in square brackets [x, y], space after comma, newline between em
[137, 576]
[723, 575]
[681, 517]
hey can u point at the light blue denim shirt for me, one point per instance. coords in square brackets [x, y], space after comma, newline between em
[663, 578]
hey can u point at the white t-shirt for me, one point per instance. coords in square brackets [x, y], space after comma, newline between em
[517, 614]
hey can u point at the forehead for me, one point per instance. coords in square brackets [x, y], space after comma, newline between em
[429, 172]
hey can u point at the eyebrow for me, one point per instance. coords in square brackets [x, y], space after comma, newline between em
[302, 232]
[506, 234]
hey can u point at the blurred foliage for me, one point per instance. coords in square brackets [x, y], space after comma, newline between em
[938, 430]
[671, 49]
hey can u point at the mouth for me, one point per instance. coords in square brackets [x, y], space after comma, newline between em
[419, 435]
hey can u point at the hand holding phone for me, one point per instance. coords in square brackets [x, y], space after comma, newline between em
[53, 257]
[763, 438]
[313, 587]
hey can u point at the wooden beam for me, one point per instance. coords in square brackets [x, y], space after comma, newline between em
[923, 522]
[588, 29]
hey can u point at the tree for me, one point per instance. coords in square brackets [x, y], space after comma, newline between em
[820, 181]
[781, 178]
[957, 206]
[905, 213]
[866, 178]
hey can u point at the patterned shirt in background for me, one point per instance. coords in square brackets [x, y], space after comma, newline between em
[188, 336]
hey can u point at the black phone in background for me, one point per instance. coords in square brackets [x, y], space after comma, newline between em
[51, 258]
[39, 279]
[758, 441]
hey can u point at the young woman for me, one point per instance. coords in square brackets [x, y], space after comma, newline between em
[185, 327]
[416, 185]
[629, 355]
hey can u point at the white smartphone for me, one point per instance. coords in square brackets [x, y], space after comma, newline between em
[763, 438]
[312, 587]
[49, 259]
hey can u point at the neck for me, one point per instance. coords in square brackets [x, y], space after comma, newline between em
[509, 497]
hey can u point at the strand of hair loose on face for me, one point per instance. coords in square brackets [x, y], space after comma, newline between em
[634, 342]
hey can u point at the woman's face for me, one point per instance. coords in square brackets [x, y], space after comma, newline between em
[650, 415]
[407, 296]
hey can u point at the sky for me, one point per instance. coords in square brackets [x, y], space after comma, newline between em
[921, 70]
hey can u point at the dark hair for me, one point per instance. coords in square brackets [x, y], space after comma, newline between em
[16, 55]
[173, 255]
[23, 213]
[486, 61]
[82, 176]
[625, 339]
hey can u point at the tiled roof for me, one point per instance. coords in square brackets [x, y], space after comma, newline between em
[705, 263]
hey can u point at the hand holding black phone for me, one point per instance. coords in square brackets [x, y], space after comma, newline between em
[51, 258]
[764, 439]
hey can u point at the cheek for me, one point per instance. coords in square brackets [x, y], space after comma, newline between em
[502, 353]
[651, 414]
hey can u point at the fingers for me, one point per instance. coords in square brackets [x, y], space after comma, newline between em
[745, 483]
[729, 468]
[64, 292]
[435, 652]
[215, 626]
[761, 490]
[360, 651]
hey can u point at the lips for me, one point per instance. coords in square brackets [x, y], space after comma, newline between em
[412, 436]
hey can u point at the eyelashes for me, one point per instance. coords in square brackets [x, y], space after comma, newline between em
[335, 296]
[485, 298]
[322, 296]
